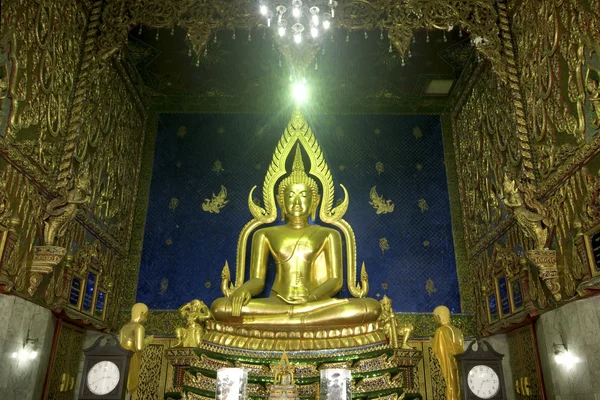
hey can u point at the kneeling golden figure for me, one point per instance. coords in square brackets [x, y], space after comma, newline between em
[308, 274]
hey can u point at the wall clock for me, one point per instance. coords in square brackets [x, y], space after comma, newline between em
[481, 372]
[105, 370]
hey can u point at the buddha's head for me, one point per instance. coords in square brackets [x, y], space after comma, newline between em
[139, 312]
[441, 315]
[298, 194]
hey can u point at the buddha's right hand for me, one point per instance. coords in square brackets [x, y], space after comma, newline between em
[238, 299]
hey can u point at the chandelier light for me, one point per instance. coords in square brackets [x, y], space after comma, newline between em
[306, 22]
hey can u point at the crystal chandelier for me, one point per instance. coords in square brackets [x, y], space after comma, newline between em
[299, 20]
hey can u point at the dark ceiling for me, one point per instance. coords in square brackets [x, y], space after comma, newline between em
[355, 74]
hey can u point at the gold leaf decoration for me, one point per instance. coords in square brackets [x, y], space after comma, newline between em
[164, 285]
[426, 243]
[218, 167]
[384, 286]
[217, 202]
[417, 132]
[379, 203]
[173, 203]
[423, 205]
[430, 286]
[169, 241]
[377, 131]
[419, 166]
[383, 245]
[379, 167]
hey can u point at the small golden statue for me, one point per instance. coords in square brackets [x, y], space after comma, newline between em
[132, 337]
[447, 342]
[61, 210]
[196, 313]
[308, 258]
[534, 224]
[392, 328]
[283, 380]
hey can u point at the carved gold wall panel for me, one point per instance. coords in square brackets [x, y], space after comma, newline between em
[540, 129]
[41, 63]
[153, 372]
[65, 111]
[484, 143]
[65, 363]
[559, 67]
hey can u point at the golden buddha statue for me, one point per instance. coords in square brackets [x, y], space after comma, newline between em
[132, 337]
[308, 272]
[447, 342]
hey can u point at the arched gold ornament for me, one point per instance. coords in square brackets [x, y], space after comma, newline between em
[298, 132]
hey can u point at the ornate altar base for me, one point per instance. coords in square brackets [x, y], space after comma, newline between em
[377, 370]
[244, 337]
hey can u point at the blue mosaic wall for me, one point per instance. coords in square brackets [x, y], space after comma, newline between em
[409, 252]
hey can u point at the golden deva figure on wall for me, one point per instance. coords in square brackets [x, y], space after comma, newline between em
[447, 342]
[133, 337]
[195, 313]
[61, 210]
[533, 223]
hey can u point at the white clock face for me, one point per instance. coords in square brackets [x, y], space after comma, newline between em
[483, 381]
[103, 378]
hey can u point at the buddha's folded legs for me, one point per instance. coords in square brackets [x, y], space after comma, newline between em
[273, 311]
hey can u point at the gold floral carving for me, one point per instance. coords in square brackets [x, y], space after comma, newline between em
[217, 202]
[379, 203]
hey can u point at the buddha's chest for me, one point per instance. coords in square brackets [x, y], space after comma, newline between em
[297, 249]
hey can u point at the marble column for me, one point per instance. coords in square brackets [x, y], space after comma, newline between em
[23, 379]
[576, 325]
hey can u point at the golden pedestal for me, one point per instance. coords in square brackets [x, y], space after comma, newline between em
[308, 338]
[377, 370]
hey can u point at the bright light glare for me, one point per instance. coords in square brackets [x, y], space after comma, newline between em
[296, 12]
[264, 9]
[281, 31]
[297, 38]
[567, 359]
[314, 32]
[24, 354]
[300, 92]
[315, 19]
[326, 24]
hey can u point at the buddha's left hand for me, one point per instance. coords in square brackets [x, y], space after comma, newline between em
[239, 298]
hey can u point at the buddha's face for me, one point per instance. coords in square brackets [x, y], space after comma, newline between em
[297, 200]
